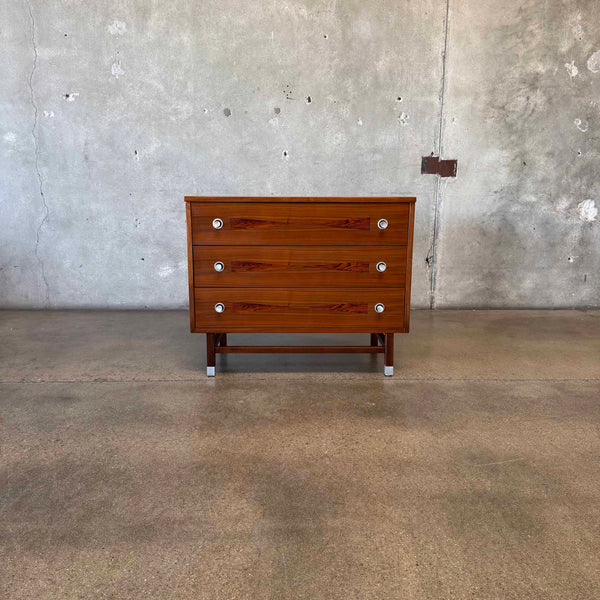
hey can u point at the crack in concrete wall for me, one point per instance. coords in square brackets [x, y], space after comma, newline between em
[431, 258]
[34, 134]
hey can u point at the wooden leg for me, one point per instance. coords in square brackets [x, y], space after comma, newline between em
[389, 355]
[374, 340]
[210, 354]
[223, 339]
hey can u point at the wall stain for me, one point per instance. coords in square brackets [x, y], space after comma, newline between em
[593, 62]
[532, 105]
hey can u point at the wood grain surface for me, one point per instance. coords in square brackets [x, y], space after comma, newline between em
[296, 266]
[296, 309]
[299, 224]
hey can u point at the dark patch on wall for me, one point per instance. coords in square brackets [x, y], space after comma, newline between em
[227, 112]
[432, 165]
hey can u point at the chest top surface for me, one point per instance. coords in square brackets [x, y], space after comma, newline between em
[303, 199]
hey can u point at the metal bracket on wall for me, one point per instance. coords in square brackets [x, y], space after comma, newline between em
[432, 165]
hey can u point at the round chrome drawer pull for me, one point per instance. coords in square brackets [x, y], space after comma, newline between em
[381, 266]
[217, 223]
[379, 308]
[219, 307]
[382, 224]
[219, 266]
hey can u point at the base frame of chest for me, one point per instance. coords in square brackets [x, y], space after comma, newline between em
[381, 343]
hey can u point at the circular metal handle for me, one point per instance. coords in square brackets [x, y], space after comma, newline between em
[217, 223]
[382, 224]
[219, 266]
[219, 307]
[379, 308]
[381, 266]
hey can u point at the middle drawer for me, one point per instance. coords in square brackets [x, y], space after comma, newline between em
[299, 266]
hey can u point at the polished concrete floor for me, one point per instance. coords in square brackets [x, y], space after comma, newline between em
[473, 473]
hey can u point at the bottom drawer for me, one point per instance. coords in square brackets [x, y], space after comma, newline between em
[273, 310]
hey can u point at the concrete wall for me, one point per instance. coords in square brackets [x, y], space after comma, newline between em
[113, 111]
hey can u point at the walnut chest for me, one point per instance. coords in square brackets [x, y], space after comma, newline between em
[299, 265]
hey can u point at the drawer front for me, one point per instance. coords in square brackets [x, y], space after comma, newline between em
[296, 266]
[288, 310]
[299, 223]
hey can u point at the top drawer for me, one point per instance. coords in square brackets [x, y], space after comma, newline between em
[299, 223]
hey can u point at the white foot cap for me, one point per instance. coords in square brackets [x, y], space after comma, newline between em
[388, 371]
[210, 371]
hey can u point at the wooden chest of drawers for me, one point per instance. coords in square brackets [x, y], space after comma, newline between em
[299, 265]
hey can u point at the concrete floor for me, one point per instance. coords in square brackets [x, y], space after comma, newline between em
[473, 473]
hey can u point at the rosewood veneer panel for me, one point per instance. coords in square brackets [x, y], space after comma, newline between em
[296, 309]
[299, 223]
[312, 266]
